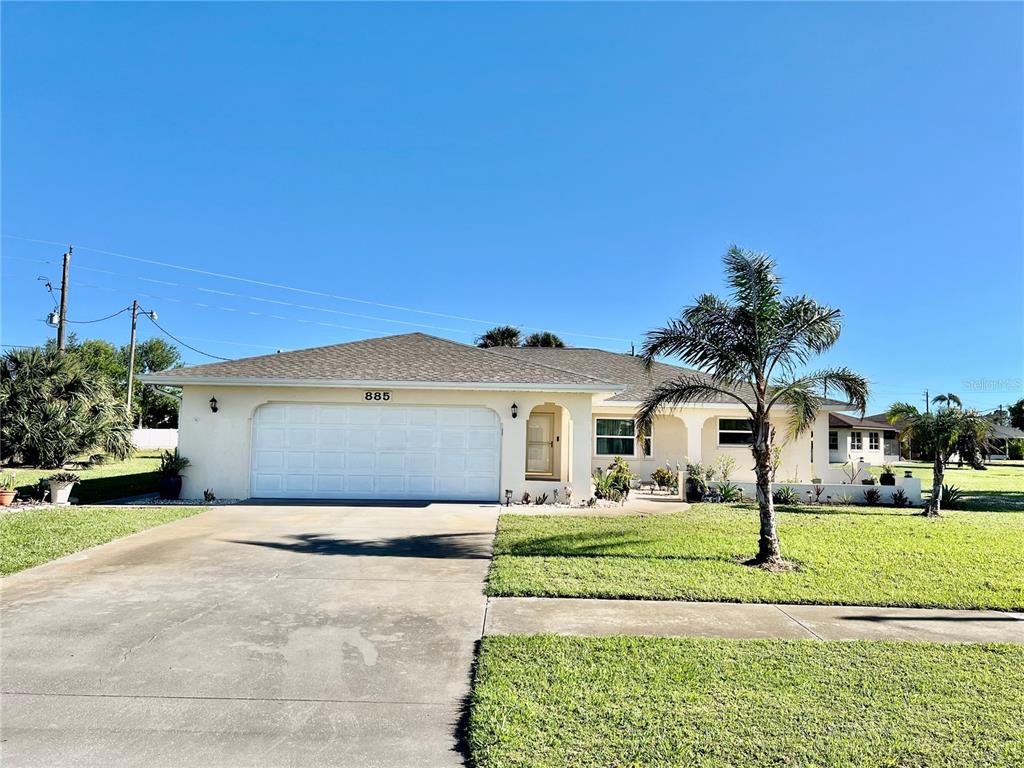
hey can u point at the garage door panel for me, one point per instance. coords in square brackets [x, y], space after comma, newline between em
[362, 439]
[331, 461]
[362, 463]
[300, 437]
[370, 451]
[300, 461]
[270, 437]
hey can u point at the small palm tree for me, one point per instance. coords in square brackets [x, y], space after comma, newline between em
[499, 336]
[940, 432]
[750, 347]
[543, 339]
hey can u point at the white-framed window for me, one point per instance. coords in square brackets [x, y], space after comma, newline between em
[833, 440]
[873, 443]
[856, 441]
[617, 437]
[735, 432]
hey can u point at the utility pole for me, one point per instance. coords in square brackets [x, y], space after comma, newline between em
[131, 358]
[62, 319]
[927, 403]
[131, 351]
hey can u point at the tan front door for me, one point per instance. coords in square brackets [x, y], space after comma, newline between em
[539, 444]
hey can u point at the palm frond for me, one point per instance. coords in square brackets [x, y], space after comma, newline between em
[803, 394]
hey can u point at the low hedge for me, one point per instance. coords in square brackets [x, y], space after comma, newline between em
[97, 489]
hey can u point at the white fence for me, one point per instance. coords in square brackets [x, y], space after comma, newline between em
[148, 439]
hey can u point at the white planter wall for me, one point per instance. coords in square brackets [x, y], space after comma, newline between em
[910, 485]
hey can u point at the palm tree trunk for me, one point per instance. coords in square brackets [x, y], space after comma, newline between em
[933, 507]
[768, 551]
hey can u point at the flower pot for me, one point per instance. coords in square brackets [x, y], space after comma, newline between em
[60, 491]
[170, 487]
[6, 497]
[887, 478]
[692, 490]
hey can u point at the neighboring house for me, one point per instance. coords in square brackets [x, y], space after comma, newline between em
[873, 440]
[999, 441]
[419, 417]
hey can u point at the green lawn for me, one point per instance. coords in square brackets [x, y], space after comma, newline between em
[101, 482]
[548, 702]
[32, 536]
[852, 556]
[1000, 488]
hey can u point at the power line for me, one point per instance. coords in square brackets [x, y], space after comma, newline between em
[168, 333]
[99, 319]
[307, 291]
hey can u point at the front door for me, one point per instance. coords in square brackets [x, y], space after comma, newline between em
[539, 444]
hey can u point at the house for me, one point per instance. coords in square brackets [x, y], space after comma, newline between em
[998, 443]
[872, 440]
[418, 417]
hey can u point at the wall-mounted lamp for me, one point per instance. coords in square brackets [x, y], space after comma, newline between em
[213, 404]
[515, 410]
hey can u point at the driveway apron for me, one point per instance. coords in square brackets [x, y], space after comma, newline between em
[251, 635]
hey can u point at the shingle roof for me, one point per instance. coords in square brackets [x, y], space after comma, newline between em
[411, 357]
[626, 369]
[419, 358]
[852, 422]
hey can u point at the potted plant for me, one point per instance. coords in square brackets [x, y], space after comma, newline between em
[61, 484]
[171, 465]
[7, 492]
[888, 476]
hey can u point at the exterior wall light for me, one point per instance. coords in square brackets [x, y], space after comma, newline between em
[515, 410]
[213, 404]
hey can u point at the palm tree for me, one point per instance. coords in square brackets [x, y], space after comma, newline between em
[749, 348]
[499, 336]
[543, 339]
[55, 409]
[940, 433]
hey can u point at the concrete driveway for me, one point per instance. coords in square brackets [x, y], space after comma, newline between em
[255, 635]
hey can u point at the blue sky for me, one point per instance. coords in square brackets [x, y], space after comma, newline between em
[579, 168]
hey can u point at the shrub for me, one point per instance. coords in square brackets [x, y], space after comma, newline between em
[730, 492]
[785, 495]
[64, 477]
[724, 468]
[8, 481]
[872, 496]
[701, 476]
[663, 477]
[953, 497]
[1016, 449]
[899, 498]
[55, 410]
[541, 500]
[172, 463]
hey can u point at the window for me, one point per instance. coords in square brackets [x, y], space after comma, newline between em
[833, 441]
[856, 441]
[735, 432]
[873, 441]
[617, 437]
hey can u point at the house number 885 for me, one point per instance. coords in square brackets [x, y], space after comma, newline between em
[378, 396]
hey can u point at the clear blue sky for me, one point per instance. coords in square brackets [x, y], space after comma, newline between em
[573, 167]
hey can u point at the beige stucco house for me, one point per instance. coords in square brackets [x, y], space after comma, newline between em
[419, 417]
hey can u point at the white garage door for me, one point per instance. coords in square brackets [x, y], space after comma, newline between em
[305, 451]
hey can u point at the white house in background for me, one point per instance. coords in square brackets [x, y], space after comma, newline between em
[419, 417]
[999, 441]
[849, 437]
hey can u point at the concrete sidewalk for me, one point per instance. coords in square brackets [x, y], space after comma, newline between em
[593, 618]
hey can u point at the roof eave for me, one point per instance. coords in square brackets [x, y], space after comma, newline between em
[249, 381]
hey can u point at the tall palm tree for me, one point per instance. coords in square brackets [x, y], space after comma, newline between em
[750, 347]
[499, 336]
[940, 432]
[543, 339]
